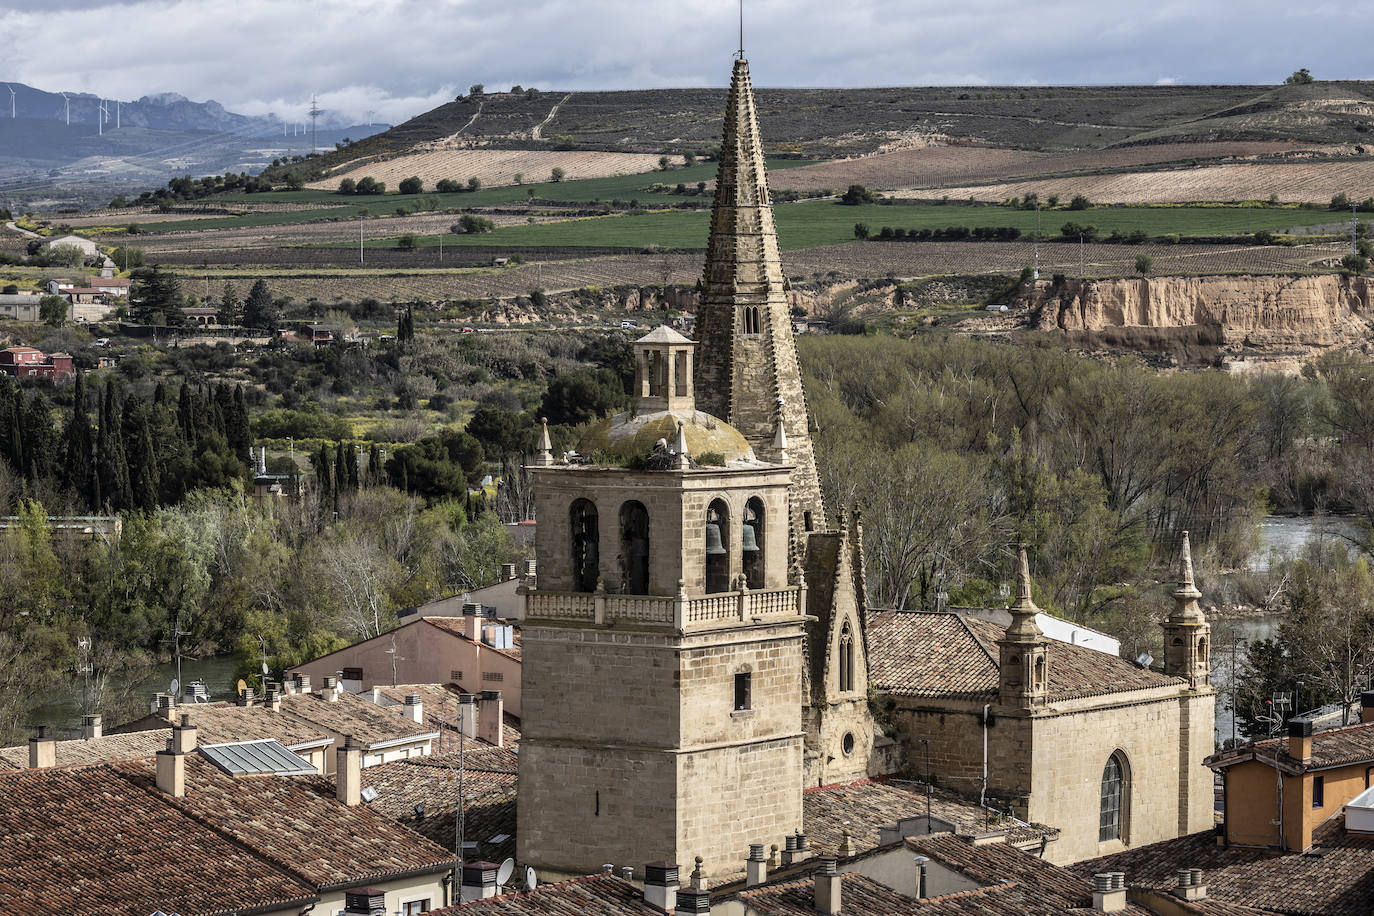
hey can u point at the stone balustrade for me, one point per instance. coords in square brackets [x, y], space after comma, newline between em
[682, 614]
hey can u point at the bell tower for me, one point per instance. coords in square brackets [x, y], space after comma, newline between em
[748, 374]
[1187, 635]
[1023, 654]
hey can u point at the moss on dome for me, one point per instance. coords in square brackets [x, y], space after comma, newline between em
[628, 436]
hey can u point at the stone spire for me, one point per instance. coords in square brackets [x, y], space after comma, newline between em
[1187, 635]
[544, 456]
[1186, 595]
[747, 371]
[1023, 654]
[1023, 609]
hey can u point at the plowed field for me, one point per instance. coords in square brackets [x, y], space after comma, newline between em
[495, 167]
[1316, 182]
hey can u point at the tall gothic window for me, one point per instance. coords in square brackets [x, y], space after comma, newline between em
[1113, 789]
[846, 658]
[751, 320]
[634, 548]
[586, 558]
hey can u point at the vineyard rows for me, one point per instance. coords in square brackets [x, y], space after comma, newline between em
[853, 261]
[496, 167]
[942, 166]
[1314, 182]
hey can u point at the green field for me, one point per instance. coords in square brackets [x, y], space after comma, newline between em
[808, 224]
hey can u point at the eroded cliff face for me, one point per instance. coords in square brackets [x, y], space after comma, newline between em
[1237, 312]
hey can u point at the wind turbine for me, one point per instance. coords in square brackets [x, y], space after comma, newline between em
[12, 109]
[66, 101]
[102, 114]
[117, 106]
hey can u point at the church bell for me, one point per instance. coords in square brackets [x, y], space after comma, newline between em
[714, 548]
[751, 541]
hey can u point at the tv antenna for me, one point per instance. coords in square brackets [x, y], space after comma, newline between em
[84, 668]
[67, 102]
[13, 115]
[315, 112]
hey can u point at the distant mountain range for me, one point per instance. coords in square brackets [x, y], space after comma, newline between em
[55, 148]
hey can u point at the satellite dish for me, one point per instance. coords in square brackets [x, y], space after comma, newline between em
[530, 882]
[505, 871]
[242, 686]
[174, 687]
[264, 667]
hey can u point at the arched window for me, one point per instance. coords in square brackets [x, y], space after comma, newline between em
[717, 547]
[751, 319]
[682, 374]
[846, 658]
[753, 543]
[586, 552]
[634, 548]
[1113, 791]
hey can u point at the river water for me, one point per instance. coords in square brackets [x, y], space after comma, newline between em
[1281, 537]
[62, 709]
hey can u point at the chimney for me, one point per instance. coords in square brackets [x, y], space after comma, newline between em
[472, 621]
[1109, 892]
[167, 705]
[693, 900]
[829, 892]
[921, 862]
[329, 692]
[1367, 706]
[1300, 740]
[479, 881]
[364, 901]
[272, 699]
[507, 571]
[415, 709]
[789, 852]
[171, 771]
[627, 872]
[300, 683]
[42, 749]
[184, 735]
[491, 714]
[246, 697]
[91, 727]
[467, 714]
[348, 776]
[1190, 884]
[660, 886]
[755, 868]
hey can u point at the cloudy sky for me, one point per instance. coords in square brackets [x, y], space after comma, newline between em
[401, 57]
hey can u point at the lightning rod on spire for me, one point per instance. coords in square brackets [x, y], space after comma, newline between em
[741, 29]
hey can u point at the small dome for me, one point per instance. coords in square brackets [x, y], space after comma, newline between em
[629, 436]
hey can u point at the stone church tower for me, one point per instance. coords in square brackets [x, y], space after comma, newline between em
[749, 375]
[663, 644]
[1186, 632]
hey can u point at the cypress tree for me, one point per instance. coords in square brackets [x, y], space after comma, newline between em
[79, 458]
[38, 439]
[142, 460]
[237, 428]
[114, 468]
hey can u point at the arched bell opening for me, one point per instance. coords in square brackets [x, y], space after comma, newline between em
[752, 540]
[634, 548]
[586, 546]
[717, 547]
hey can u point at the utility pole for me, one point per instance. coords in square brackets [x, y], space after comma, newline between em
[1354, 247]
[315, 113]
[360, 241]
[1081, 272]
[1035, 273]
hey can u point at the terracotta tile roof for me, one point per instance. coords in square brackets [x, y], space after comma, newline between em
[594, 895]
[860, 896]
[90, 841]
[489, 784]
[1335, 877]
[954, 656]
[440, 704]
[868, 806]
[220, 724]
[80, 751]
[352, 715]
[1330, 748]
[296, 823]
[454, 625]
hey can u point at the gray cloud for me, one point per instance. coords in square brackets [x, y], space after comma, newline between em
[402, 57]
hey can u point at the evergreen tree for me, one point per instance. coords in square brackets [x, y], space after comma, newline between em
[113, 467]
[155, 297]
[11, 425]
[230, 306]
[142, 459]
[237, 428]
[258, 309]
[38, 438]
[78, 464]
